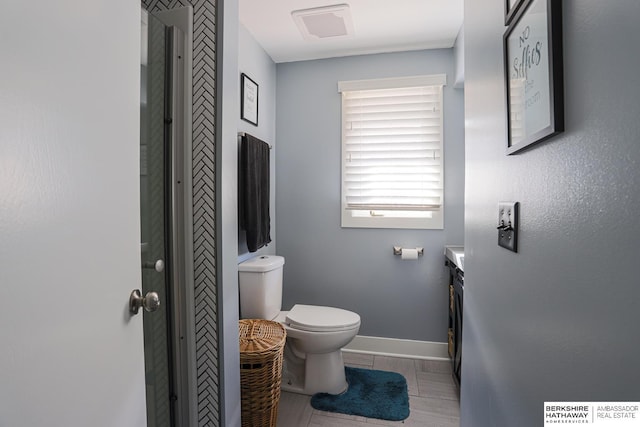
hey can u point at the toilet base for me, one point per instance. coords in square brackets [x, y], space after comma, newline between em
[315, 373]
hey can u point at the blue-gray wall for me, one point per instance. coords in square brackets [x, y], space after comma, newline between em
[255, 63]
[347, 267]
[558, 320]
[239, 53]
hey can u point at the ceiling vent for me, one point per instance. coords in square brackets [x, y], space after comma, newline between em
[324, 22]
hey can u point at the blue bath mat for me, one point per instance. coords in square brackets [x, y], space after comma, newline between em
[371, 394]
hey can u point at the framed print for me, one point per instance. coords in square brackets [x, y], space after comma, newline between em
[511, 7]
[249, 103]
[533, 74]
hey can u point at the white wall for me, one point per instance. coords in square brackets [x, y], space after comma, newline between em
[458, 55]
[227, 111]
[558, 320]
[355, 268]
[255, 63]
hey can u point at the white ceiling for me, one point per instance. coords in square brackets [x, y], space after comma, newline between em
[379, 26]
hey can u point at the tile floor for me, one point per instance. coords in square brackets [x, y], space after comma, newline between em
[433, 397]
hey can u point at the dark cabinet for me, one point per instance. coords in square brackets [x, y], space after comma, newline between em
[456, 294]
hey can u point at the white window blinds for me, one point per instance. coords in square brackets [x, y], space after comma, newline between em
[392, 145]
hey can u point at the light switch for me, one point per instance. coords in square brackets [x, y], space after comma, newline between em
[508, 225]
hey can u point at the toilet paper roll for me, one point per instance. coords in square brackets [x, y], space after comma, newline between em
[409, 253]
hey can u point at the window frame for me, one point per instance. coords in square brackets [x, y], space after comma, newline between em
[373, 220]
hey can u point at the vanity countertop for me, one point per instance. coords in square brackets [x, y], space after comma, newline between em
[455, 254]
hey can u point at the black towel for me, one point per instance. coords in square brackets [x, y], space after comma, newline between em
[254, 191]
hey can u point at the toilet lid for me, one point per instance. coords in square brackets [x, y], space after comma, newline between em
[316, 318]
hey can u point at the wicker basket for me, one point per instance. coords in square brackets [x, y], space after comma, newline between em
[261, 348]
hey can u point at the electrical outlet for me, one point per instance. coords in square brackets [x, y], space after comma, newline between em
[508, 225]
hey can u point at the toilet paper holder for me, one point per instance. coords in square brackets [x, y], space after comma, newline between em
[397, 250]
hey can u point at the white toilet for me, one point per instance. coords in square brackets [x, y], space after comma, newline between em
[315, 334]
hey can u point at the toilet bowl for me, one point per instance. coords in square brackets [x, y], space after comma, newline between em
[313, 351]
[315, 334]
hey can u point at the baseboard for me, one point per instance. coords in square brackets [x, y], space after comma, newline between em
[426, 350]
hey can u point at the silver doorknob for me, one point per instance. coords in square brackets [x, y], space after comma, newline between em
[157, 266]
[150, 302]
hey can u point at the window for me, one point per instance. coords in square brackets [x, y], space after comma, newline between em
[392, 163]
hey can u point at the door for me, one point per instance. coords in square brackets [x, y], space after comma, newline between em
[159, 175]
[70, 352]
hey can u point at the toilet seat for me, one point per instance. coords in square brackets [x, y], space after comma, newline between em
[315, 318]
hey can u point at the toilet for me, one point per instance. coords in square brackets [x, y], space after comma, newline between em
[312, 360]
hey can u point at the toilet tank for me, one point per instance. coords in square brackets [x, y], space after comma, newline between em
[260, 283]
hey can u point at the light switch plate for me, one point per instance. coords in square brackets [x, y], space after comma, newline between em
[508, 225]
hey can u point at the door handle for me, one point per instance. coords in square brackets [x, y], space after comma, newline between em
[157, 266]
[150, 302]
